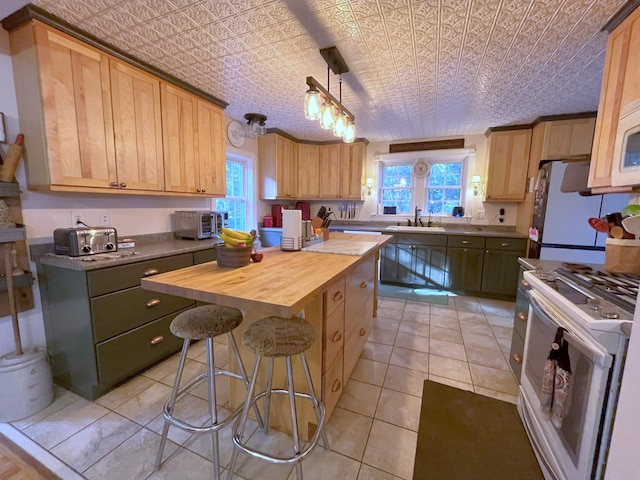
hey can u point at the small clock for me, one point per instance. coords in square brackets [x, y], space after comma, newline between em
[420, 168]
[235, 133]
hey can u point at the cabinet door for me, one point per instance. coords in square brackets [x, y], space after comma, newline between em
[429, 265]
[500, 272]
[137, 125]
[211, 149]
[508, 162]
[568, 138]
[330, 171]
[286, 167]
[76, 98]
[308, 171]
[464, 269]
[351, 167]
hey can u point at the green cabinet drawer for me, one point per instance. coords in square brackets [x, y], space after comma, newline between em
[127, 354]
[465, 241]
[512, 244]
[115, 313]
[420, 239]
[204, 256]
[126, 276]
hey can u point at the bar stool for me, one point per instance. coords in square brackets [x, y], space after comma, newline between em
[279, 337]
[204, 323]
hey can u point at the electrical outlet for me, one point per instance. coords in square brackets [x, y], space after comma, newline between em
[76, 218]
[104, 219]
[480, 214]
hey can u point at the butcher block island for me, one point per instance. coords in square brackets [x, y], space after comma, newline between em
[336, 293]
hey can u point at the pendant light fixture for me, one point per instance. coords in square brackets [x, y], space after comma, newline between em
[330, 111]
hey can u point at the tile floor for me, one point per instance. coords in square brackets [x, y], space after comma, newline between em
[372, 432]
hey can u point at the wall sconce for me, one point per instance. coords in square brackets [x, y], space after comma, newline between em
[478, 187]
[368, 186]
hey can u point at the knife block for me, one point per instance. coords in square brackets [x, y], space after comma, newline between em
[325, 234]
[622, 256]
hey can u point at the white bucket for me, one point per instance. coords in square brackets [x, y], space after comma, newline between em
[27, 384]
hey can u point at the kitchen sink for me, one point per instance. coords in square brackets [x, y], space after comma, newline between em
[407, 228]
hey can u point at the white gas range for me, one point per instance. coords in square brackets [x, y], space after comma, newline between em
[582, 311]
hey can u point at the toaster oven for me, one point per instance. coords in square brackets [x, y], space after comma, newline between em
[80, 241]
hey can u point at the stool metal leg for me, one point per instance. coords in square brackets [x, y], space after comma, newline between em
[294, 418]
[238, 430]
[174, 396]
[211, 383]
[314, 399]
[243, 373]
[267, 398]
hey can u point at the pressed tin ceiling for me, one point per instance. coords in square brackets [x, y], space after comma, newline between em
[418, 68]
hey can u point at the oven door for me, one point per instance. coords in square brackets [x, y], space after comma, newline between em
[567, 452]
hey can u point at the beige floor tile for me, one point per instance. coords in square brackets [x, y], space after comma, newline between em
[392, 303]
[377, 352]
[145, 406]
[64, 423]
[391, 449]
[451, 383]
[446, 334]
[369, 371]
[124, 392]
[500, 321]
[467, 304]
[502, 332]
[481, 341]
[494, 379]
[412, 342]
[369, 473]
[61, 398]
[164, 368]
[322, 464]
[273, 442]
[487, 357]
[380, 335]
[90, 444]
[184, 461]
[399, 409]
[412, 328]
[498, 395]
[359, 397]
[496, 310]
[405, 380]
[505, 346]
[444, 322]
[348, 433]
[389, 312]
[192, 369]
[447, 349]
[197, 349]
[189, 409]
[448, 311]
[201, 390]
[419, 307]
[476, 327]
[416, 317]
[386, 323]
[449, 368]
[412, 359]
[472, 317]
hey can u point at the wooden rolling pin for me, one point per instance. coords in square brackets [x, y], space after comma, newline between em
[10, 165]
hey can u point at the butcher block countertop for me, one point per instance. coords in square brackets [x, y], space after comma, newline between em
[282, 283]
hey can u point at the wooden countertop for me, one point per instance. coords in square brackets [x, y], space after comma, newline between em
[282, 283]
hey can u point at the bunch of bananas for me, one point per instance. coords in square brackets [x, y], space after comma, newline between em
[234, 238]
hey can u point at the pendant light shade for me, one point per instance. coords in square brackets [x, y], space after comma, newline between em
[349, 132]
[327, 115]
[312, 104]
[340, 125]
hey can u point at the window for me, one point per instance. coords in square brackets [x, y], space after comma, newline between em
[397, 187]
[444, 187]
[238, 201]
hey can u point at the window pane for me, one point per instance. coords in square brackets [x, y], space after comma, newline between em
[397, 176]
[235, 201]
[401, 198]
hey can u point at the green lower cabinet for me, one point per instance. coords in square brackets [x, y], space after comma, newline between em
[416, 263]
[464, 269]
[500, 272]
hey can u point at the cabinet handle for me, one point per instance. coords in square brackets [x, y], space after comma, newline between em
[524, 283]
[204, 190]
[363, 285]
[466, 242]
[123, 185]
[337, 296]
[522, 316]
[362, 332]
[517, 358]
[157, 340]
[337, 384]
[150, 271]
[153, 302]
[505, 244]
[336, 337]
[198, 190]
[114, 184]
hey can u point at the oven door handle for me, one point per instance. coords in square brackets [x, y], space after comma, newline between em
[595, 352]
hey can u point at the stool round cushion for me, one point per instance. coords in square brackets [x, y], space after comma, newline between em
[205, 322]
[279, 337]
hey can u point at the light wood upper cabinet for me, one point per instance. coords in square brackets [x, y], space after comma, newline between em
[278, 166]
[568, 138]
[67, 84]
[351, 168]
[508, 160]
[194, 158]
[330, 171]
[620, 86]
[137, 125]
[308, 171]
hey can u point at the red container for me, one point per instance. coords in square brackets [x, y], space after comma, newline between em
[268, 221]
[276, 214]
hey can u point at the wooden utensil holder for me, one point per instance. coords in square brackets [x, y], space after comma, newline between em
[622, 256]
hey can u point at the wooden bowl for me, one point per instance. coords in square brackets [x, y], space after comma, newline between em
[233, 257]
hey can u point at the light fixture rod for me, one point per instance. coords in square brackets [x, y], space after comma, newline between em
[312, 82]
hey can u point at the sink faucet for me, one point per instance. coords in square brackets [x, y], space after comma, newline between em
[418, 210]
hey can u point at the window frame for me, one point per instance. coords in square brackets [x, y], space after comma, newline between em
[248, 161]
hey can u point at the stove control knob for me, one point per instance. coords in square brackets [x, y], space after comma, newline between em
[593, 304]
[609, 312]
[109, 246]
[86, 248]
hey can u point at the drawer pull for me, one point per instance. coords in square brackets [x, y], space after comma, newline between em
[336, 337]
[466, 242]
[363, 285]
[362, 332]
[524, 283]
[517, 358]
[150, 271]
[157, 340]
[153, 302]
[522, 316]
[337, 296]
[114, 184]
[337, 384]
[123, 185]
[505, 244]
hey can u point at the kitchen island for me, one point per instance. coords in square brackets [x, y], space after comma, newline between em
[336, 293]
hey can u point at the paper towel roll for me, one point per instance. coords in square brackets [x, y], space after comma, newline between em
[291, 230]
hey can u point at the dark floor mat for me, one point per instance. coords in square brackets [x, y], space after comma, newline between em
[466, 435]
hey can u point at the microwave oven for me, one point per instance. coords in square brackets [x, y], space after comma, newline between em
[199, 224]
[626, 152]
